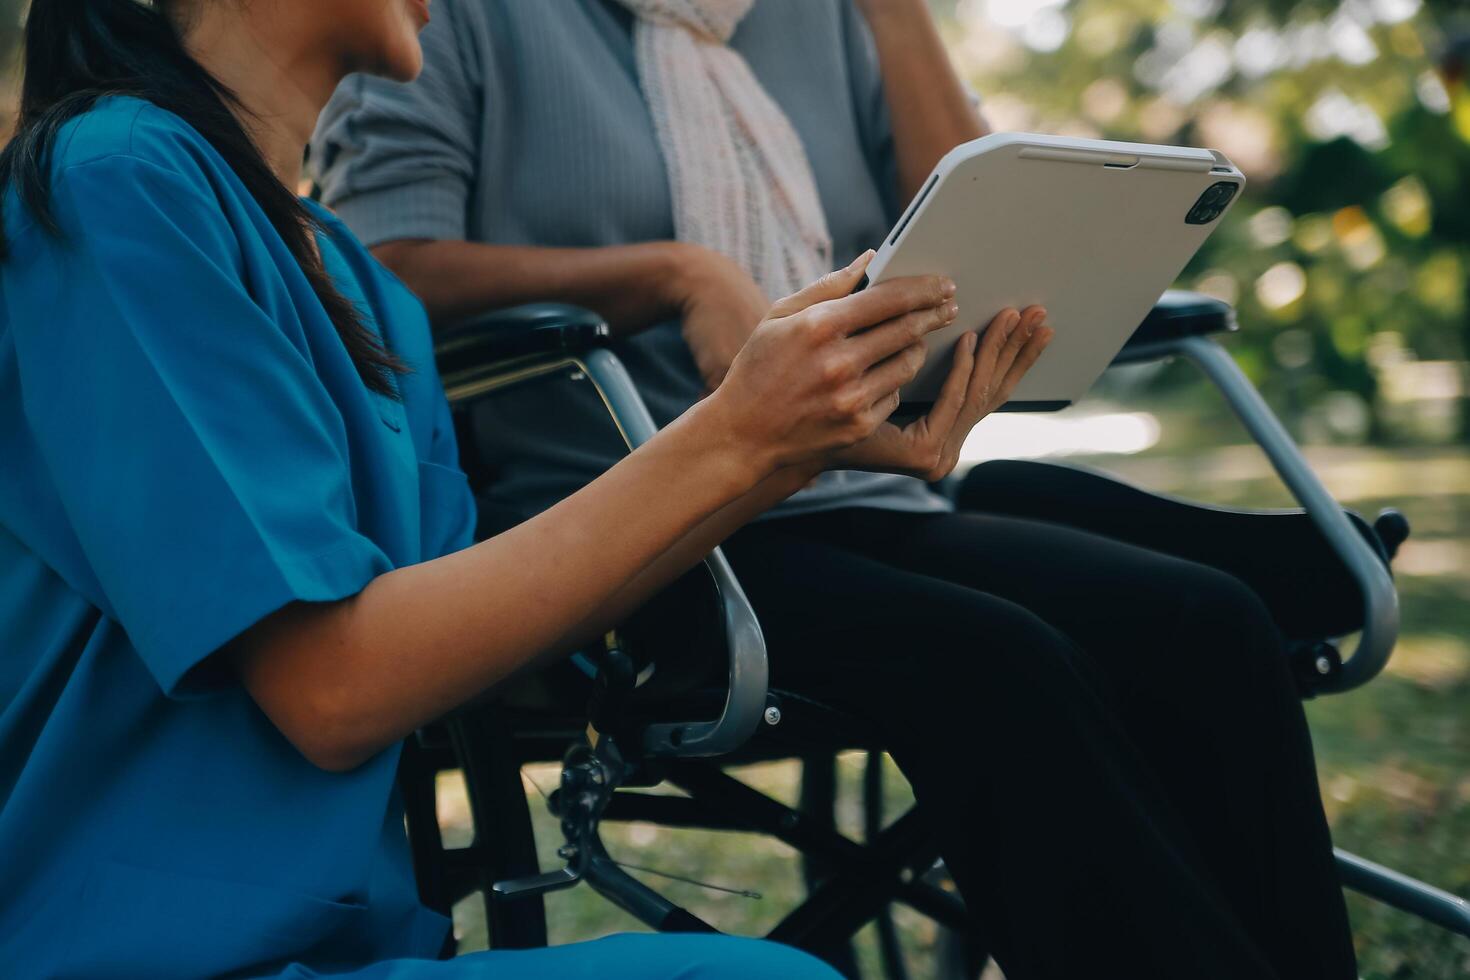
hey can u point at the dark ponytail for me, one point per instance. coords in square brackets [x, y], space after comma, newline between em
[78, 51]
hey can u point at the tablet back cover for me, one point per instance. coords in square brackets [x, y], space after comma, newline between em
[1093, 230]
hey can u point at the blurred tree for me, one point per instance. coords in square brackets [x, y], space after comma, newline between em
[1347, 255]
[12, 14]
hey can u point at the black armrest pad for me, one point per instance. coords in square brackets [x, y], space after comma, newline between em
[1179, 314]
[537, 328]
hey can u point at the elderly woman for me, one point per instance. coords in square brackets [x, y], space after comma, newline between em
[1106, 740]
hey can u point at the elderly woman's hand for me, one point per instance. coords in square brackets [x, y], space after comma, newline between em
[720, 306]
[979, 382]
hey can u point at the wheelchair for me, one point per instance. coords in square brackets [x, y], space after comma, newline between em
[641, 710]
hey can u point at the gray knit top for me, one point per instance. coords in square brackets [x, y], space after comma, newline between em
[527, 127]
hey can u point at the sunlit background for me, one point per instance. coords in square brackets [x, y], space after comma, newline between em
[1346, 259]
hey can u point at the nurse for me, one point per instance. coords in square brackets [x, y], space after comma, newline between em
[236, 565]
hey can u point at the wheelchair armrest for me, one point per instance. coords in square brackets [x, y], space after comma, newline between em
[745, 698]
[1177, 314]
[1363, 560]
[1362, 557]
[504, 335]
[508, 347]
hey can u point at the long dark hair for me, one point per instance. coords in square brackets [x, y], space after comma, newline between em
[78, 51]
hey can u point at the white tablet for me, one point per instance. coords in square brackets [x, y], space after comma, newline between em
[1093, 230]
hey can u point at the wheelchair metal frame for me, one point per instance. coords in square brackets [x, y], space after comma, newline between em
[864, 878]
[745, 704]
[1381, 601]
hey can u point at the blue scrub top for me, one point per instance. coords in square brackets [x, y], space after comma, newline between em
[187, 447]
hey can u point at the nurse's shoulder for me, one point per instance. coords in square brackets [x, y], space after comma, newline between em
[103, 159]
[127, 130]
[124, 166]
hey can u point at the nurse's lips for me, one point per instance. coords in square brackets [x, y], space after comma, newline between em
[421, 8]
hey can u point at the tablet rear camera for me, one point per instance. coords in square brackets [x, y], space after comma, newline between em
[1211, 203]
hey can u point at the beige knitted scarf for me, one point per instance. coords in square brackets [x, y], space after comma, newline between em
[738, 174]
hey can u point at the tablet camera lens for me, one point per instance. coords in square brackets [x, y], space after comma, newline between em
[1211, 203]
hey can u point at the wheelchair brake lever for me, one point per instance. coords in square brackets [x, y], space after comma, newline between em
[590, 772]
[589, 776]
[533, 886]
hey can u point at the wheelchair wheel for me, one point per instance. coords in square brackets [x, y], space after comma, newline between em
[958, 957]
[955, 955]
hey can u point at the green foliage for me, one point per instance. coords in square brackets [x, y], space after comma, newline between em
[11, 14]
[1346, 255]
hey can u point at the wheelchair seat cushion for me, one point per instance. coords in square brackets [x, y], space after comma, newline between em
[1278, 553]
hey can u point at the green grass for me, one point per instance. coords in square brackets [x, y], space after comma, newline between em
[1394, 757]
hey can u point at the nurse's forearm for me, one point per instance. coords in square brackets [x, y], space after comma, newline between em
[930, 110]
[691, 550]
[344, 680]
[631, 286]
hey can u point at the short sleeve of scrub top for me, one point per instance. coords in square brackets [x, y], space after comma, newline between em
[215, 488]
[187, 448]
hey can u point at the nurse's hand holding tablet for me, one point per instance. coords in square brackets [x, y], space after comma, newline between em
[816, 383]
[986, 370]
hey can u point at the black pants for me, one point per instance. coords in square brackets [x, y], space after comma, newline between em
[1106, 740]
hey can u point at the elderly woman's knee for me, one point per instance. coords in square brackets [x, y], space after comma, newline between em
[1226, 640]
[967, 650]
[1216, 600]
